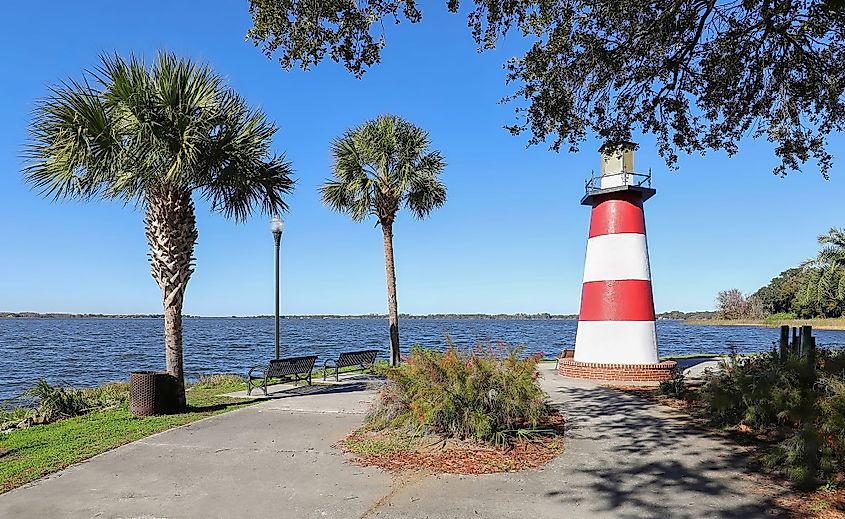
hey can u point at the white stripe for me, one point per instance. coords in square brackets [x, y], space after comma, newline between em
[617, 256]
[616, 342]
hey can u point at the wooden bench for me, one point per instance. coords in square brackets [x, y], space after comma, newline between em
[296, 368]
[364, 360]
[565, 354]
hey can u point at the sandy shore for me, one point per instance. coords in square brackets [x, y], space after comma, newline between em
[819, 324]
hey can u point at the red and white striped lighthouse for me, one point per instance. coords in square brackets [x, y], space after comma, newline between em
[616, 337]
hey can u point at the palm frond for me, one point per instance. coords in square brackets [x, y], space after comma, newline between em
[834, 237]
[240, 190]
[427, 194]
[127, 129]
[72, 146]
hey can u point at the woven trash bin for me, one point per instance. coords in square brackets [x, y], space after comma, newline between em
[151, 393]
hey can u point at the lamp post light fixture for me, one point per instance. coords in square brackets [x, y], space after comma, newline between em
[276, 227]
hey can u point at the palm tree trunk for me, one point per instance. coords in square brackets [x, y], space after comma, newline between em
[392, 306]
[171, 233]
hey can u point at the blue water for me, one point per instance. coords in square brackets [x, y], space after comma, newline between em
[85, 352]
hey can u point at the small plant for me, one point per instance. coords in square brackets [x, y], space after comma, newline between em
[831, 485]
[482, 394]
[675, 387]
[819, 505]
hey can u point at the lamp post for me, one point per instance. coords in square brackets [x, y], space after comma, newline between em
[276, 227]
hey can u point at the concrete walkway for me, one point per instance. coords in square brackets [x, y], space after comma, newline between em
[624, 458]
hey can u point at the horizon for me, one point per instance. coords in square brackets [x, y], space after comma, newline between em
[510, 239]
[8, 314]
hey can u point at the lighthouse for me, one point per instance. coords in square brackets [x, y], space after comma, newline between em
[616, 337]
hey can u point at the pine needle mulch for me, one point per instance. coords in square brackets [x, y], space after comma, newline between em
[395, 452]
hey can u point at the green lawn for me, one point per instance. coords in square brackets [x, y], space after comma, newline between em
[692, 356]
[28, 454]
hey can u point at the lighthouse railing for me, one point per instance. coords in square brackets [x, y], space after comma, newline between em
[623, 178]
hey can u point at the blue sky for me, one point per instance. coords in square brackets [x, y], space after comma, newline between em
[511, 237]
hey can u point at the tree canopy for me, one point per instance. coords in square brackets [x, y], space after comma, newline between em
[698, 74]
[127, 130]
[380, 166]
[816, 288]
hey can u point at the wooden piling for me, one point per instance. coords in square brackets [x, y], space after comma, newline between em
[783, 346]
[806, 339]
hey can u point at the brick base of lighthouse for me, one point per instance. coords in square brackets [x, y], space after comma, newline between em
[657, 372]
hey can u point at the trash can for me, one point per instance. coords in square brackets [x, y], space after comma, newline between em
[151, 393]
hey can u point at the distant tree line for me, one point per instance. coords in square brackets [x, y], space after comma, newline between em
[816, 288]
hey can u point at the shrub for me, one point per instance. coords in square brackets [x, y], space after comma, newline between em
[802, 404]
[486, 393]
[675, 386]
[752, 390]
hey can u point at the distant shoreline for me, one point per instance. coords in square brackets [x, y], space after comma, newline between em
[674, 315]
[835, 324]
[510, 317]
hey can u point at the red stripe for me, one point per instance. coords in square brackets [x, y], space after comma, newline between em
[621, 214]
[617, 300]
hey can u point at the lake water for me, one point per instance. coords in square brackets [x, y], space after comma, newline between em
[86, 352]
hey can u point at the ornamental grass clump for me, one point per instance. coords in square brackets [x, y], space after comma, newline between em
[58, 402]
[488, 394]
[44, 403]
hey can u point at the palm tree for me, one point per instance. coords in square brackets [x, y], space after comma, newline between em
[379, 167]
[833, 247]
[824, 289]
[153, 136]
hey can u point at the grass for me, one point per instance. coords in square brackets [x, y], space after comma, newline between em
[386, 442]
[827, 323]
[31, 453]
[318, 373]
[13, 415]
[692, 356]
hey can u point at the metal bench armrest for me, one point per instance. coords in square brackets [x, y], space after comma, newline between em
[263, 371]
[327, 366]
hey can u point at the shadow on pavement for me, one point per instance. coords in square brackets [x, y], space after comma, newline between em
[321, 389]
[212, 407]
[668, 466]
